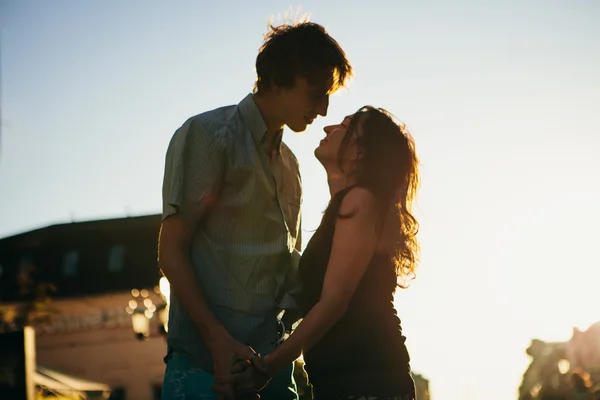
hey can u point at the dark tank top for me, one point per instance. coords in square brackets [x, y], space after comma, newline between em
[364, 353]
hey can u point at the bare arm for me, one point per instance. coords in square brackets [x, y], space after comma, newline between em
[353, 246]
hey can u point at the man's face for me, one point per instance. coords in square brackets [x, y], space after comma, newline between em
[300, 104]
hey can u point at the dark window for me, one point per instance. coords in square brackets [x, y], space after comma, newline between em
[118, 393]
[70, 261]
[116, 254]
[26, 260]
[25, 271]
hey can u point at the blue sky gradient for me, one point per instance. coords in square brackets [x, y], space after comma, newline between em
[502, 98]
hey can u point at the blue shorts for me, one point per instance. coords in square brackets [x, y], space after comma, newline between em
[184, 380]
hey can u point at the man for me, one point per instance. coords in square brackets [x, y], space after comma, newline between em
[230, 232]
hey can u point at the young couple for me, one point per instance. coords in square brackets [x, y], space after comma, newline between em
[231, 234]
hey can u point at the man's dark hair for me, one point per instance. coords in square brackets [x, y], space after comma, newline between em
[304, 49]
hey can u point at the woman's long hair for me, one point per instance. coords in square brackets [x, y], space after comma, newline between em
[389, 167]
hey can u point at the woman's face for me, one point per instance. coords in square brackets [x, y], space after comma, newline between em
[329, 147]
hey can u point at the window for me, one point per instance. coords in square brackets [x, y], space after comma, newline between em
[26, 260]
[118, 393]
[115, 258]
[70, 261]
[26, 269]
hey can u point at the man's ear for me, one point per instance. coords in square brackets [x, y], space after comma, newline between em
[276, 90]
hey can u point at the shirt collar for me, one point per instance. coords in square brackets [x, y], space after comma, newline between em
[256, 123]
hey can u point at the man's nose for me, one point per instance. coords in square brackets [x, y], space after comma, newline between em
[323, 106]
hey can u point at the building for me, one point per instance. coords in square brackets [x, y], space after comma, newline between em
[552, 365]
[421, 387]
[73, 282]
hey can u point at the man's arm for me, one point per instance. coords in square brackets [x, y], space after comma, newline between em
[174, 248]
[173, 259]
[194, 171]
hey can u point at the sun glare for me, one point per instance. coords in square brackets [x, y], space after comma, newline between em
[543, 268]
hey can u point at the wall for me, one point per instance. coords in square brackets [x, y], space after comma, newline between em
[106, 351]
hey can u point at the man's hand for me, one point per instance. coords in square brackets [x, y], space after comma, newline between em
[225, 352]
[250, 376]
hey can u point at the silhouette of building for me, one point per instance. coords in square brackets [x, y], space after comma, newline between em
[421, 387]
[88, 270]
[553, 364]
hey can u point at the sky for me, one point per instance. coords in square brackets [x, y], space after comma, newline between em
[502, 98]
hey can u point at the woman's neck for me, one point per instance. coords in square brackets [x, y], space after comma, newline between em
[338, 181]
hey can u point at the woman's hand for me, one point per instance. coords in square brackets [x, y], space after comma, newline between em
[247, 377]
[254, 377]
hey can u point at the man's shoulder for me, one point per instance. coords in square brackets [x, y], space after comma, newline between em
[207, 129]
[214, 120]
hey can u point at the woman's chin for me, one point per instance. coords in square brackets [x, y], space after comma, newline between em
[323, 159]
[318, 153]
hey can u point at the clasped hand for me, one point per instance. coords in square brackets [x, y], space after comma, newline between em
[246, 378]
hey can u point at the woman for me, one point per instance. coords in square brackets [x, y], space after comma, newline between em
[350, 336]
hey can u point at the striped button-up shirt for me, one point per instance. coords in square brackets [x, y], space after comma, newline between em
[245, 205]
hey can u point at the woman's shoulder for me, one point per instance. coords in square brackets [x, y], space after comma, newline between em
[357, 199]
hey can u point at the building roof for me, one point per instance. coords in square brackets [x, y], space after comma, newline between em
[99, 224]
[64, 384]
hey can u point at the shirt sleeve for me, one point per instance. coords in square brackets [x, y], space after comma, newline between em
[194, 169]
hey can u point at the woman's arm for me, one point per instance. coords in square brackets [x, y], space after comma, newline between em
[353, 246]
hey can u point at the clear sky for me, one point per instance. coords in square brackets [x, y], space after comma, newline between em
[503, 98]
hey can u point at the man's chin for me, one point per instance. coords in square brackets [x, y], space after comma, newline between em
[298, 128]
